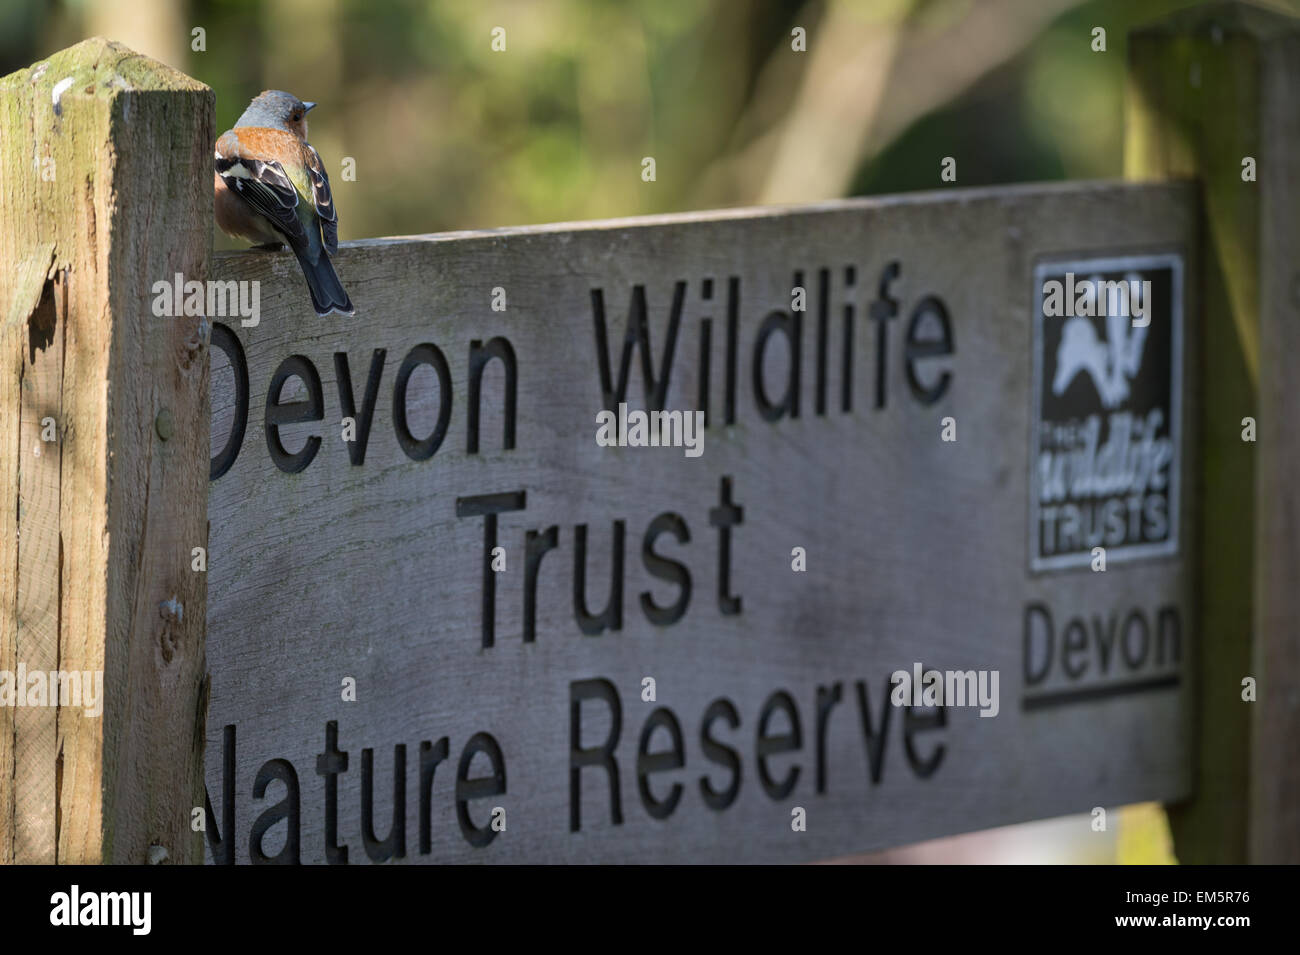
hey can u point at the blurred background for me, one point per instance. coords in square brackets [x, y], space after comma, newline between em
[445, 132]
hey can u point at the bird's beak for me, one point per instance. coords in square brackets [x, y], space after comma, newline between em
[308, 107]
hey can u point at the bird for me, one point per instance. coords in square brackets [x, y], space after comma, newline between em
[271, 189]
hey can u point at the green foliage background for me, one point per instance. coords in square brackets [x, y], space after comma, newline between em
[448, 134]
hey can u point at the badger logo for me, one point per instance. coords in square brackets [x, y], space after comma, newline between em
[1110, 364]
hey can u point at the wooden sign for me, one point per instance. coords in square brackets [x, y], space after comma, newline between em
[764, 535]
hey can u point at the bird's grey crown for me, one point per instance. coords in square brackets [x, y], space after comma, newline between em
[271, 109]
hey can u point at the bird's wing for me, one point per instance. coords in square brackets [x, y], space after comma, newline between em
[322, 199]
[262, 183]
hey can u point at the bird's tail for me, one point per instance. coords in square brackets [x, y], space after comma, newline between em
[327, 294]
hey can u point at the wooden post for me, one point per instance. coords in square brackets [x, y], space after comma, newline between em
[103, 456]
[1210, 89]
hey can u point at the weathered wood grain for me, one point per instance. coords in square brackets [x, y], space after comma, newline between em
[98, 200]
[916, 547]
[1208, 88]
[35, 732]
[1275, 746]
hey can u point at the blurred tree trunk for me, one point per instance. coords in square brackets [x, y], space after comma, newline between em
[304, 55]
[302, 42]
[156, 28]
[869, 72]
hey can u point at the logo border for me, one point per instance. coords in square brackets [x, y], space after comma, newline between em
[1110, 263]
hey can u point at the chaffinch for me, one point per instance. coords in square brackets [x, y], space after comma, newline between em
[271, 188]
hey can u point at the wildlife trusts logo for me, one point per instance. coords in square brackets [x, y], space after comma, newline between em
[1105, 447]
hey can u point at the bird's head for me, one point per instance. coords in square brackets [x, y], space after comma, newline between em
[276, 109]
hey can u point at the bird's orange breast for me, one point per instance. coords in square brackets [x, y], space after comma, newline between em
[268, 145]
